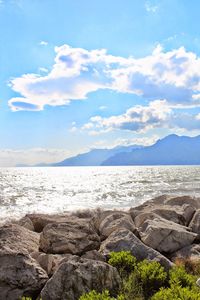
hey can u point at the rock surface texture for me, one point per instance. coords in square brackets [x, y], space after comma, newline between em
[63, 256]
[75, 236]
[20, 275]
[74, 278]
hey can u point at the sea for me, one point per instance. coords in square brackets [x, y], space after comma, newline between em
[63, 189]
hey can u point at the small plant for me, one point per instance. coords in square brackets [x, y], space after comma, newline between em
[176, 293]
[179, 277]
[152, 277]
[132, 287]
[123, 261]
[93, 295]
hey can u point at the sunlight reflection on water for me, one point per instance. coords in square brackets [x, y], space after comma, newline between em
[49, 190]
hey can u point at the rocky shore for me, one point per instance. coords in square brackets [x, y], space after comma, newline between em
[62, 256]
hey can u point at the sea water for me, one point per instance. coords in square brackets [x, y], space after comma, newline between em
[57, 190]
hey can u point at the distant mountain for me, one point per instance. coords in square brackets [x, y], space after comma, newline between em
[171, 150]
[95, 157]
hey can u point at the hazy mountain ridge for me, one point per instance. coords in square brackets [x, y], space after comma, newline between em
[171, 150]
[95, 157]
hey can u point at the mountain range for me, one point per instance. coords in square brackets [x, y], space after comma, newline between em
[170, 150]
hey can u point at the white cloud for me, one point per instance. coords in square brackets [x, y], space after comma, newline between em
[172, 75]
[12, 157]
[138, 119]
[142, 141]
[43, 43]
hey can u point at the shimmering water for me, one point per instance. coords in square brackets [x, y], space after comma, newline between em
[49, 190]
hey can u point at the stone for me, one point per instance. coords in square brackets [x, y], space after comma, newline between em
[178, 214]
[165, 236]
[195, 222]
[18, 239]
[181, 200]
[191, 252]
[26, 223]
[39, 221]
[44, 260]
[116, 220]
[198, 282]
[74, 278]
[125, 240]
[75, 236]
[95, 255]
[20, 275]
[100, 215]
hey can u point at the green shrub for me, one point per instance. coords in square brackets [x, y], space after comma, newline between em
[132, 287]
[177, 293]
[93, 295]
[152, 277]
[146, 279]
[124, 261]
[179, 276]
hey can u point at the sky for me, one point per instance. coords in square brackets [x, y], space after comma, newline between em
[77, 75]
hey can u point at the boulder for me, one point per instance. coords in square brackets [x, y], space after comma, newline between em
[20, 275]
[125, 240]
[100, 215]
[181, 200]
[18, 239]
[165, 236]
[195, 222]
[74, 278]
[39, 221]
[177, 214]
[75, 236]
[116, 220]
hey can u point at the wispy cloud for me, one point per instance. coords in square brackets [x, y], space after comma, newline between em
[150, 7]
[11, 157]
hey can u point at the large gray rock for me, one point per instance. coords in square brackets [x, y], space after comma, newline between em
[116, 220]
[18, 239]
[165, 236]
[75, 236]
[20, 275]
[195, 222]
[124, 239]
[75, 278]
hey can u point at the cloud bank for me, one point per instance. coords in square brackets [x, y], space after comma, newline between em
[173, 76]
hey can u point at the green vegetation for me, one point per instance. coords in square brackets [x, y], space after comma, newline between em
[123, 261]
[147, 280]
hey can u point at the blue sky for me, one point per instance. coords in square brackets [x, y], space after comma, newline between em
[75, 75]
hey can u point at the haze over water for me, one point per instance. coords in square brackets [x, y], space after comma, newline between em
[52, 190]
